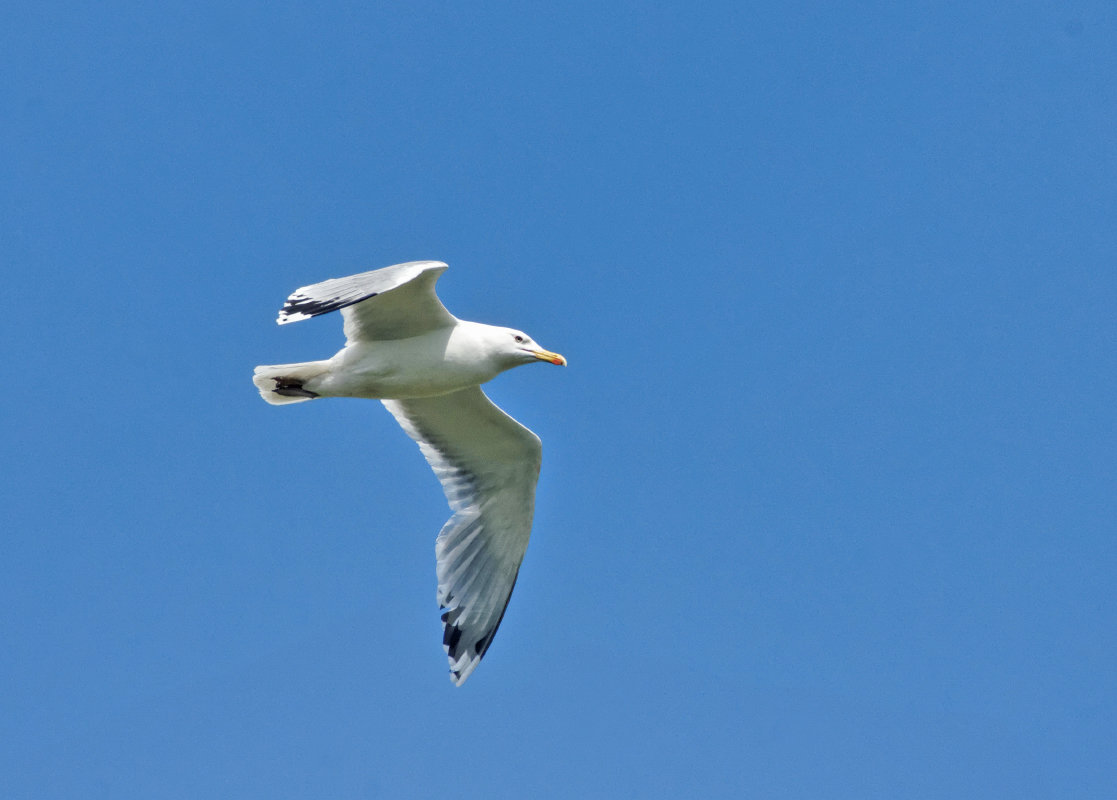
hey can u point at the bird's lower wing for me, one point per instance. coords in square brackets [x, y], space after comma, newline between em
[488, 465]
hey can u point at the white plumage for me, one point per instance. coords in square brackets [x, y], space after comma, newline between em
[404, 348]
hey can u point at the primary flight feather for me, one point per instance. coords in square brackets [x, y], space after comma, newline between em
[404, 348]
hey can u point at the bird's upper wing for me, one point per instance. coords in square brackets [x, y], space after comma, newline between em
[488, 465]
[390, 303]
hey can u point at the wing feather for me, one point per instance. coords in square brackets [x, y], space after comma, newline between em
[488, 465]
[391, 303]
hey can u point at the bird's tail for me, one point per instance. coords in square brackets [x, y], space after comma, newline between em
[280, 384]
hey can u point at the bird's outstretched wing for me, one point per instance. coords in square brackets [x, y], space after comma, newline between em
[488, 465]
[391, 303]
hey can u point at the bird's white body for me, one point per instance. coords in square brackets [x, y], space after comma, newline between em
[438, 362]
[405, 349]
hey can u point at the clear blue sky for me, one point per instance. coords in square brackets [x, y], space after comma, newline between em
[828, 496]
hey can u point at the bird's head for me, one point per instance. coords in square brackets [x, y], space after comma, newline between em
[524, 349]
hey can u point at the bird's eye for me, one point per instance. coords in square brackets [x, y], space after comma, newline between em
[520, 339]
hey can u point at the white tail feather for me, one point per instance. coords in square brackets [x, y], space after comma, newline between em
[280, 384]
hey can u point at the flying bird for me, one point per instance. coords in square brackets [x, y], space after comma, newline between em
[425, 365]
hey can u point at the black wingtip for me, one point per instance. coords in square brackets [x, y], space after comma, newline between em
[301, 307]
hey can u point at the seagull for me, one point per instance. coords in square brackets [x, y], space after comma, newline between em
[425, 365]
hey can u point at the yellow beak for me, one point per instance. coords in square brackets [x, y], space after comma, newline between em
[547, 355]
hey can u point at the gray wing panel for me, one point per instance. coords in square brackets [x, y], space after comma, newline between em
[390, 303]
